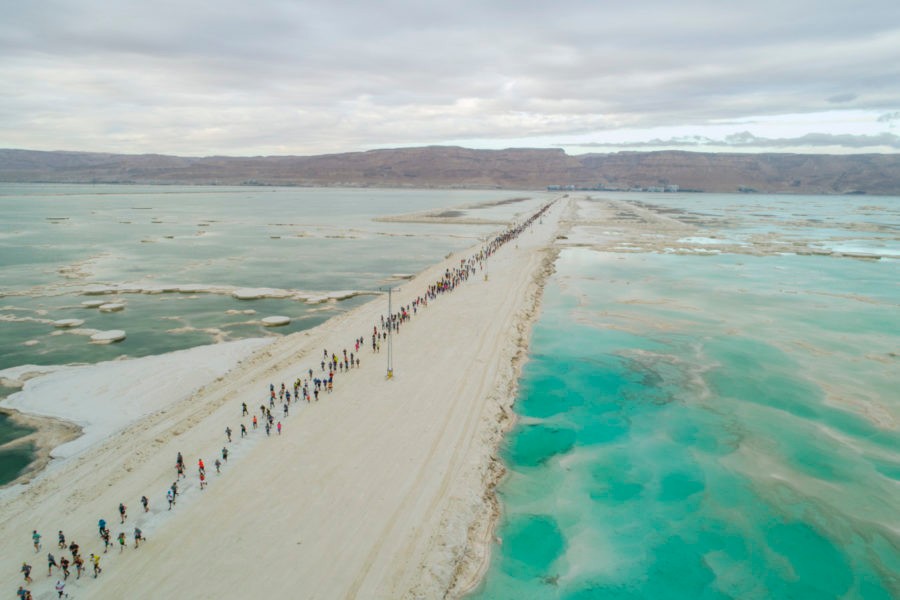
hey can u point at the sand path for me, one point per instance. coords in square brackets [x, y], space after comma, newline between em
[376, 491]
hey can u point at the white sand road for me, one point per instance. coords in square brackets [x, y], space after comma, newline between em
[382, 489]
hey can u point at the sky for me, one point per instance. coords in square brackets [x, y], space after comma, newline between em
[282, 77]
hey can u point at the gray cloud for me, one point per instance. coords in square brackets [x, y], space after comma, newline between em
[842, 98]
[281, 77]
[747, 140]
[815, 140]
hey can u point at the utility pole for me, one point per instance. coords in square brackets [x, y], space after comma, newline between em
[390, 337]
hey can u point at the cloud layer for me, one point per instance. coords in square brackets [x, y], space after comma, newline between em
[747, 141]
[279, 77]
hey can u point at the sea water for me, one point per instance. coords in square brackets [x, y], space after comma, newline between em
[710, 426]
[57, 242]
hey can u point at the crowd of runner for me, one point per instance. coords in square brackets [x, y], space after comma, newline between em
[306, 387]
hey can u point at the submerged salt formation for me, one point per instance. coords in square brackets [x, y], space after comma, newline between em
[276, 321]
[108, 337]
[112, 307]
[64, 323]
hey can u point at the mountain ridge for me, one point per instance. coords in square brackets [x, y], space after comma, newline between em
[457, 167]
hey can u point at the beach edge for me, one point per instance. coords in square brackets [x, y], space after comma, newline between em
[49, 433]
[473, 564]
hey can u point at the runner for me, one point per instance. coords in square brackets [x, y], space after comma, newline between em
[228, 433]
[279, 427]
[146, 503]
[218, 464]
[79, 565]
[26, 572]
[95, 560]
[60, 588]
[244, 430]
[170, 496]
[51, 562]
[122, 512]
[138, 536]
[36, 538]
[202, 480]
[244, 412]
[64, 565]
[62, 540]
[224, 453]
[121, 538]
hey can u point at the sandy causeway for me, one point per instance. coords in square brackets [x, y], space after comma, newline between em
[382, 489]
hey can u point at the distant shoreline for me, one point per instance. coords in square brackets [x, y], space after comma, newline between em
[449, 167]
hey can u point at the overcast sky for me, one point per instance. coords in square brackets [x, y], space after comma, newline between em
[236, 77]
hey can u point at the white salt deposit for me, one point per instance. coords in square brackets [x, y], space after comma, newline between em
[87, 331]
[234, 292]
[68, 323]
[196, 288]
[257, 293]
[17, 376]
[276, 321]
[108, 337]
[329, 296]
[112, 307]
[98, 290]
[108, 396]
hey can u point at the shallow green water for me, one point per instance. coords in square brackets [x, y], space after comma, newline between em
[13, 460]
[706, 427]
[57, 240]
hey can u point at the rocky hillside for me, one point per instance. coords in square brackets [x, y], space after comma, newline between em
[464, 168]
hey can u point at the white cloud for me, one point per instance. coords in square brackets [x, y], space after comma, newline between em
[191, 78]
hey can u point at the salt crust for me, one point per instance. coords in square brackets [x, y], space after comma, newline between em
[106, 397]
[276, 321]
[235, 292]
[107, 337]
[65, 323]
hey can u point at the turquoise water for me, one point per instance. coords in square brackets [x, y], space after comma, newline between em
[706, 427]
